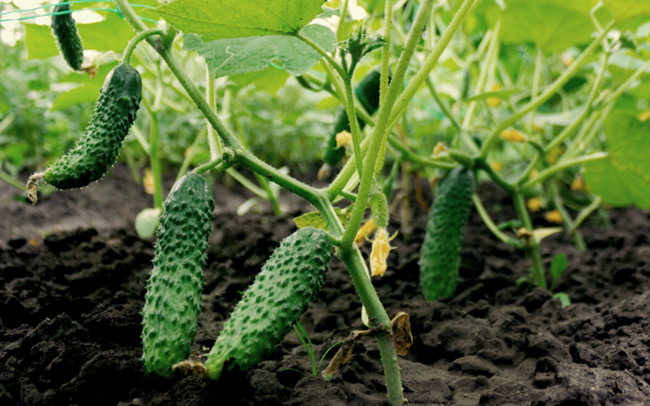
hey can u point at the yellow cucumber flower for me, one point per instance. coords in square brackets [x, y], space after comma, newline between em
[380, 250]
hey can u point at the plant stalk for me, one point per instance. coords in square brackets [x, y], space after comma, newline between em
[532, 251]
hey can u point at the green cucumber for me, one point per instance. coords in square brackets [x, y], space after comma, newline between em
[368, 94]
[173, 299]
[274, 302]
[97, 150]
[67, 37]
[440, 252]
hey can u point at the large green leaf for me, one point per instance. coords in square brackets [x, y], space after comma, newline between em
[626, 9]
[88, 93]
[242, 55]
[112, 34]
[221, 19]
[551, 27]
[623, 178]
[270, 79]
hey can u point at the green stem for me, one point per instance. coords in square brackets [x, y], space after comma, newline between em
[342, 13]
[590, 100]
[509, 188]
[490, 224]
[619, 91]
[12, 181]
[378, 131]
[482, 79]
[578, 240]
[547, 94]
[443, 106]
[126, 58]
[414, 85]
[300, 189]
[207, 166]
[189, 154]
[324, 54]
[537, 78]
[211, 97]
[354, 124]
[585, 212]
[532, 251]
[154, 130]
[542, 176]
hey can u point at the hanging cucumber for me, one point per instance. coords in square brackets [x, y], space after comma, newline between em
[440, 252]
[67, 37]
[368, 94]
[274, 302]
[96, 151]
[173, 299]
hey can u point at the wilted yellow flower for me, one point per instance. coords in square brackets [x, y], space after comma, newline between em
[534, 204]
[440, 147]
[344, 139]
[494, 101]
[577, 184]
[513, 135]
[644, 116]
[147, 181]
[380, 250]
[497, 166]
[553, 216]
[364, 232]
[554, 155]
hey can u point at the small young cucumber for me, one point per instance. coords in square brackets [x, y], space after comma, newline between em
[440, 252]
[67, 37]
[274, 302]
[173, 299]
[97, 150]
[368, 94]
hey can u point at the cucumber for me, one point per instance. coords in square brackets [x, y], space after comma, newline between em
[97, 150]
[173, 298]
[274, 302]
[368, 94]
[67, 37]
[440, 251]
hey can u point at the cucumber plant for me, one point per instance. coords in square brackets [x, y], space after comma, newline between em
[485, 121]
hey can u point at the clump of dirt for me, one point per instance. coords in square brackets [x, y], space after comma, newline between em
[70, 314]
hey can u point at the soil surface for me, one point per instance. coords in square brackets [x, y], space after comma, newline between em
[72, 285]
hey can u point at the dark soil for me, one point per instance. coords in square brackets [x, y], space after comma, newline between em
[70, 313]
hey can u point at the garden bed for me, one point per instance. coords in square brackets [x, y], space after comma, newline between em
[70, 313]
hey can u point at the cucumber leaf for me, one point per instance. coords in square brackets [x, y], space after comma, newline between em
[626, 9]
[623, 178]
[550, 27]
[221, 19]
[243, 55]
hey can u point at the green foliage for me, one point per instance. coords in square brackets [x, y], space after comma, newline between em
[173, 299]
[557, 268]
[623, 178]
[242, 55]
[274, 302]
[97, 150]
[221, 19]
[440, 252]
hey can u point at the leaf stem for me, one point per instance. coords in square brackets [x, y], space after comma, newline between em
[130, 47]
[546, 94]
[532, 251]
[503, 237]
[542, 176]
[324, 54]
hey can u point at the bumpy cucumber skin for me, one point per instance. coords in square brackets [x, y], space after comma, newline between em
[173, 298]
[440, 252]
[289, 280]
[368, 94]
[67, 37]
[97, 150]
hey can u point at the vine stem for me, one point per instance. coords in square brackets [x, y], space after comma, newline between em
[545, 174]
[546, 94]
[130, 47]
[490, 224]
[354, 124]
[319, 199]
[414, 85]
[323, 53]
[532, 252]
[378, 131]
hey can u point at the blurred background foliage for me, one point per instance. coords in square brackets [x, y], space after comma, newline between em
[44, 107]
